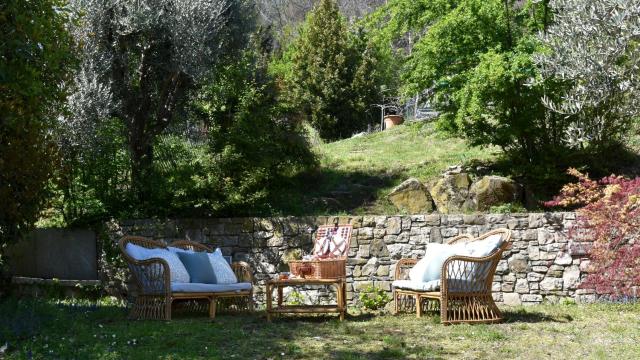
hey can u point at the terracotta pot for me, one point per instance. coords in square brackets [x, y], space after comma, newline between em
[392, 120]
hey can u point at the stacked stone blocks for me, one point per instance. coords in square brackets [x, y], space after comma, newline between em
[541, 264]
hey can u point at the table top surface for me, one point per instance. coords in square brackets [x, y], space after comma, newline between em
[300, 281]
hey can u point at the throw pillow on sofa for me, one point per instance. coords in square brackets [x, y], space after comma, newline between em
[198, 266]
[178, 273]
[224, 273]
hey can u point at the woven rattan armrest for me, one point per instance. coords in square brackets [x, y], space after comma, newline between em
[164, 275]
[401, 265]
[451, 269]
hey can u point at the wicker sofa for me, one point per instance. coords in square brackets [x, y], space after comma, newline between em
[463, 293]
[157, 294]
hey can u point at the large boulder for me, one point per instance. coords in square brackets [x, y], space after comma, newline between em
[411, 196]
[493, 190]
[450, 193]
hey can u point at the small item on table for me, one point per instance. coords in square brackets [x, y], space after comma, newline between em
[283, 276]
[305, 270]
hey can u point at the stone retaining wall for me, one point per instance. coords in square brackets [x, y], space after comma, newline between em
[542, 265]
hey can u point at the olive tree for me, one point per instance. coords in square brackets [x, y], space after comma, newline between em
[594, 47]
[140, 61]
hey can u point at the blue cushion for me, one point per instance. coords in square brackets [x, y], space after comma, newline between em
[178, 273]
[198, 287]
[223, 272]
[198, 266]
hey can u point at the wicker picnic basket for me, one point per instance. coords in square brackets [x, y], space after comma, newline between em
[332, 245]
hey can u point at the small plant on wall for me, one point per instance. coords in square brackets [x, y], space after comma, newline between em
[374, 298]
[608, 215]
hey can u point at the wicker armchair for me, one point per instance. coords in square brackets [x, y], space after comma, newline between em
[155, 298]
[464, 295]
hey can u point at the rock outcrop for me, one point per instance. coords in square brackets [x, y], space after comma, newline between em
[493, 190]
[412, 197]
[451, 193]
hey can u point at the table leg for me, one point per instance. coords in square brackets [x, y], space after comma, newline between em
[395, 301]
[279, 296]
[269, 302]
[212, 307]
[418, 306]
[342, 298]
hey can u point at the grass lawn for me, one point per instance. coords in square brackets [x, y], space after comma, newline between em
[356, 174]
[82, 330]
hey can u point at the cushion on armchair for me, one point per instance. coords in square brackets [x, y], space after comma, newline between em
[430, 266]
[178, 273]
[485, 247]
[433, 285]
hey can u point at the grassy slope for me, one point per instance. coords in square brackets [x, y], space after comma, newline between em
[46, 330]
[356, 174]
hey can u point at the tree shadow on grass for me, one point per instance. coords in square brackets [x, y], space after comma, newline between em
[392, 352]
[524, 316]
[329, 191]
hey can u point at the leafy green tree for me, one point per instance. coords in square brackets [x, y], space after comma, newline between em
[36, 53]
[334, 76]
[477, 59]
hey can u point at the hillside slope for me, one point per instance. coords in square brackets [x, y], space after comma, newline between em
[356, 174]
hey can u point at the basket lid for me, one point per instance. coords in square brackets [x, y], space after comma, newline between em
[332, 240]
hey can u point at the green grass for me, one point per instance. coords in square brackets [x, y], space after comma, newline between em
[80, 330]
[356, 174]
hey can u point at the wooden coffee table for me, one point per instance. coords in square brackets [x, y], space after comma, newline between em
[341, 299]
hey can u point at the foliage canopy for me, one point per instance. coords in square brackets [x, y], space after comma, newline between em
[36, 53]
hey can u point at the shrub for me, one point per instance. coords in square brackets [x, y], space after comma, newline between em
[374, 298]
[332, 76]
[609, 215]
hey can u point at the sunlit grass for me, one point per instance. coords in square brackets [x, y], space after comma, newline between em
[82, 330]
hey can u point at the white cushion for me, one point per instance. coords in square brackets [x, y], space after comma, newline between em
[485, 247]
[433, 285]
[430, 266]
[224, 273]
[137, 252]
[178, 273]
[200, 287]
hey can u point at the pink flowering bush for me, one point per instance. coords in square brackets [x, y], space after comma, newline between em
[608, 213]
